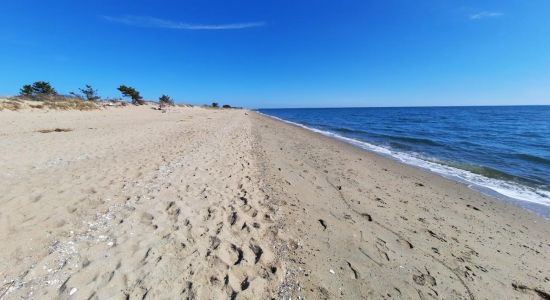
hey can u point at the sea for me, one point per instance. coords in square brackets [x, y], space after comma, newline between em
[502, 151]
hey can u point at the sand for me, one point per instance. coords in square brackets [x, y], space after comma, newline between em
[228, 204]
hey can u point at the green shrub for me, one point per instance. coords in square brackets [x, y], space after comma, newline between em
[89, 93]
[166, 100]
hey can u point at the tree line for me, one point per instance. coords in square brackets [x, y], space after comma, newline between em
[42, 90]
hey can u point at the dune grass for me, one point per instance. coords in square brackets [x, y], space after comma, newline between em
[54, 102]
[12, 105]
[70, 104]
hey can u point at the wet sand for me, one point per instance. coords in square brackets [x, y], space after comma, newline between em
[228, 204]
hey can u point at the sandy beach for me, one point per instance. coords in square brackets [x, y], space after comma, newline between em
[195, 203]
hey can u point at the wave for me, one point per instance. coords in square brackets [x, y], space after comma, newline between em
[481, 170]
[534, 158]
[347, 130]
[400, 146]
[482, 179]
[407, 139]
[413, 140]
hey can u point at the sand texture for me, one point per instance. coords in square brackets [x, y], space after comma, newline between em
[132, 203]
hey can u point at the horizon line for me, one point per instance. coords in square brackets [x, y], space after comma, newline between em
[414, 106]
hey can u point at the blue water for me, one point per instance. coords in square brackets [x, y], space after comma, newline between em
[503, 151]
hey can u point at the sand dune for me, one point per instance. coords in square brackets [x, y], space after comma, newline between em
[227, 204]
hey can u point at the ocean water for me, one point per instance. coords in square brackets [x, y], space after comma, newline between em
[503, 151]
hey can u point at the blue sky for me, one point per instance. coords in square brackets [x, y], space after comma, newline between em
[284, 53]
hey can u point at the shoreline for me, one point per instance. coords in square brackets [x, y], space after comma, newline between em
[203, 203]
[492, 187]
[395, 225]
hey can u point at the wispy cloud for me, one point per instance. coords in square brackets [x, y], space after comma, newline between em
[151, 22]
[485, 15]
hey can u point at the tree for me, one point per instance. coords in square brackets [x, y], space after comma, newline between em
[165, 100]
[39, 88]
[89, 93]
[26, 90]
[132, 93]
[226, 106]
[43, 88]
[215, 104]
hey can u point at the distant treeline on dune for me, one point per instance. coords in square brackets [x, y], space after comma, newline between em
[87, 98]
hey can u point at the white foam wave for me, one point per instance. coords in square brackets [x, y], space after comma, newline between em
[481, 183]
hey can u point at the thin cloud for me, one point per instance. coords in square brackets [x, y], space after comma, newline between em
[486, 15]
[160, 23]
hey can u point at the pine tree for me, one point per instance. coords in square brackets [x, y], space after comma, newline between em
[132, 93]
[166, 100]
[39, 88]
[43, 88]
[26, 90]
[89, 93]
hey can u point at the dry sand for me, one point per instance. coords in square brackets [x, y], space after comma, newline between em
[227, 204]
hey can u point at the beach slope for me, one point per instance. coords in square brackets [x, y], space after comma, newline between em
[212, 204]
[369, 227]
